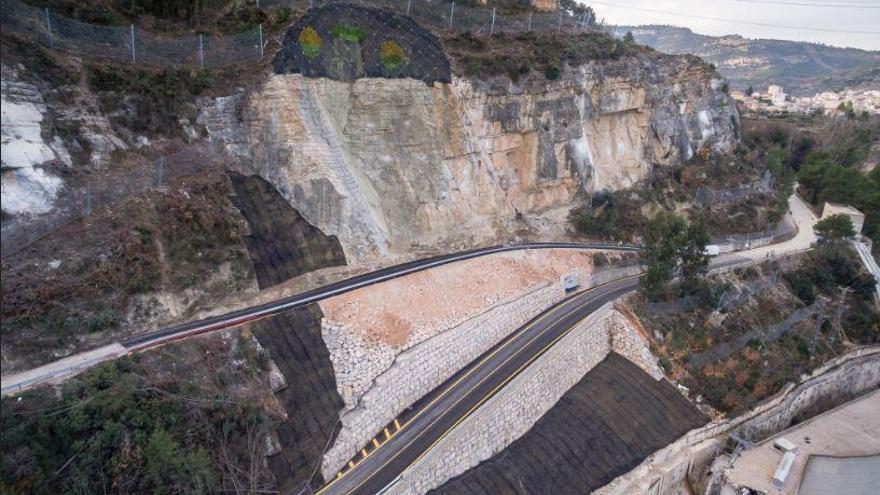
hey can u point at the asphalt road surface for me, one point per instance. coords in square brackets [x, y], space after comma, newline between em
[493, 371]
[71, 365]
[235, 318]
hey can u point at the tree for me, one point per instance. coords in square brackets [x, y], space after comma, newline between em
[692, 252]
[664, 233]
[750, 90]
[629, 39]
[835, 227]
[670, 243]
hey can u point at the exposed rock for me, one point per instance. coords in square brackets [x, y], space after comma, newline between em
[391, 166]
[346, 59]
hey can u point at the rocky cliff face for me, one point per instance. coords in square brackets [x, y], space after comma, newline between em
[393, 166]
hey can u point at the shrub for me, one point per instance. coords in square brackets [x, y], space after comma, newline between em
[391, 54]
[347, 32]
[551, 72]
[310, 42]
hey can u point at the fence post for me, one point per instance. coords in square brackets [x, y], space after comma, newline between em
[49, 27]
[258, 4]
[451, 14]
[261, 40]
[492, 29]
[201, 50]
[88, 198]
[133, 53]
[161, 171]
[408, 5]
[530, 22]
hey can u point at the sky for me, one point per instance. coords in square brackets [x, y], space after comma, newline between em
[846, 23]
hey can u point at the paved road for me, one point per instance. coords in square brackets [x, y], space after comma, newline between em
[471, 389]
[479, 382]
[59, 370]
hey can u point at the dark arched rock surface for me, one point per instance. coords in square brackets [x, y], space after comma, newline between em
[343, 60]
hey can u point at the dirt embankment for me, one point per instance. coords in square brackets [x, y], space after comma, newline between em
[425, 303]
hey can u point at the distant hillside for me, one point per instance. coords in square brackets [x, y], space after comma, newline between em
[802, 68]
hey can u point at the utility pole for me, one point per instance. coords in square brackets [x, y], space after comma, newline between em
[530, 22]
[261, 40]
[408, 5]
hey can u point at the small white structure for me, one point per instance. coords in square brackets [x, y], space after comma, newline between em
[784, 445]
[784, 468]
[855, 216]
[776, 94]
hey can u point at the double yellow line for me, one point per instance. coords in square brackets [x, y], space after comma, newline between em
[507, 343]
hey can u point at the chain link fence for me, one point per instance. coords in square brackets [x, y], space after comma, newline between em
[83, 194]
[131, 44]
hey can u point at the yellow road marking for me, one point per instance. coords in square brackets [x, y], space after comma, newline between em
[509, 340]
[493, 391]
[480, 383]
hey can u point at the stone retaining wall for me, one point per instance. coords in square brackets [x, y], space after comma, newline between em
[402, 379]
[515, 408]
[665, 471]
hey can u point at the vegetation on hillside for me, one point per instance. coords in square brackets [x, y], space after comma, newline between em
[153, 242]
[727, 341]
[173, 16]
[186, 419]
[671, 245]
[516, 55]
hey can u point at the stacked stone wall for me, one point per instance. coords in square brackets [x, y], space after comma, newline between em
[379, 384]
[515, 408]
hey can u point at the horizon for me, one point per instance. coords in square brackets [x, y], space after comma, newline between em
[837, 23]
[751, 38]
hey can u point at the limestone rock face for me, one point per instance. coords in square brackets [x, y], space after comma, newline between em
[395, 166]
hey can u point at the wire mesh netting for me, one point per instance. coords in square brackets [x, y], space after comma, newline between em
[128, 43]
[83, 194]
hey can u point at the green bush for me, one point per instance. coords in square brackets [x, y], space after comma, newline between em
[347, 32]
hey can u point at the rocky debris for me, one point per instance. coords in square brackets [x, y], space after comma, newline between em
[349, 41]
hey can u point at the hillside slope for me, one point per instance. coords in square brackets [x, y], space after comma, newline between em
[803, 69]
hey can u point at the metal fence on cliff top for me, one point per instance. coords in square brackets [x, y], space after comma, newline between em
[131, 44]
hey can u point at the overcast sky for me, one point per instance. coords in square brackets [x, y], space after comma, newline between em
[781, 19]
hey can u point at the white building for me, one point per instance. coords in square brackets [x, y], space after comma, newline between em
[855, 216]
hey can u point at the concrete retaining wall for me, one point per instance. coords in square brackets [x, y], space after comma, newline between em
[665, 471]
